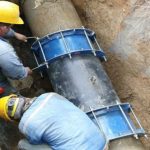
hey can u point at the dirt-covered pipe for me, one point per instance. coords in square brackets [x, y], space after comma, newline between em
[49, 16]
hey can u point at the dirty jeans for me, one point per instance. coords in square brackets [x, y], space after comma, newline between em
[25, 145]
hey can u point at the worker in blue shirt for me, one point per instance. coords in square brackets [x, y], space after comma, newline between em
[10, 65]
[50, 121]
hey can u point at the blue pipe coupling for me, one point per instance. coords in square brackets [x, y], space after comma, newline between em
[115, 121]
[66, 43]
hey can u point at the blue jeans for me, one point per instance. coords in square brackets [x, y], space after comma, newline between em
[25, 145]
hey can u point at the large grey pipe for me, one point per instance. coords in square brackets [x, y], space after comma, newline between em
[81, 78]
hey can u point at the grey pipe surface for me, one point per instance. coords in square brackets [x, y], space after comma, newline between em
[50, 16]
[83, 81]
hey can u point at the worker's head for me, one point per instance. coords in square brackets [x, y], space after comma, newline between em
[9, 15]
[11, 107]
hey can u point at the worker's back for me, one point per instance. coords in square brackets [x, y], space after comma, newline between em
[56, 121]
[5, 48]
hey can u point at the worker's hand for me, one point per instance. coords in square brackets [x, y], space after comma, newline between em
[29, 71]
[20, 37]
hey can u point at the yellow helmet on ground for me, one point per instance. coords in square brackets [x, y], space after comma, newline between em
[9, 13]
[4, 106]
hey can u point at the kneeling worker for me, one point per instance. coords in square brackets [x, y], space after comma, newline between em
[10, 65]
[53, 120]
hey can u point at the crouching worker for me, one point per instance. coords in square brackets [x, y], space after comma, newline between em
[51, 122]
[10, 65]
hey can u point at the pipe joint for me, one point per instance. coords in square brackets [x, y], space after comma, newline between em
[66, 43]
[115, 121]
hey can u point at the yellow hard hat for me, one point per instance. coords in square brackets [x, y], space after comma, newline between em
[4, 107]
[9, 13]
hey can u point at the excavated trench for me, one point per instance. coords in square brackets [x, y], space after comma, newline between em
[123, 31]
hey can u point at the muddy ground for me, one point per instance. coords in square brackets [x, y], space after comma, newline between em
[123, 31]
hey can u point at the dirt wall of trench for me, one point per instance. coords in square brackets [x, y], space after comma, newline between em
[123, 31]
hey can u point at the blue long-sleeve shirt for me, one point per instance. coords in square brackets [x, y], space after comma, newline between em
[10, 65]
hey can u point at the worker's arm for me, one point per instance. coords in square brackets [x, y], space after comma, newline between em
[17, 35]
[10, 63]
[20, 37]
